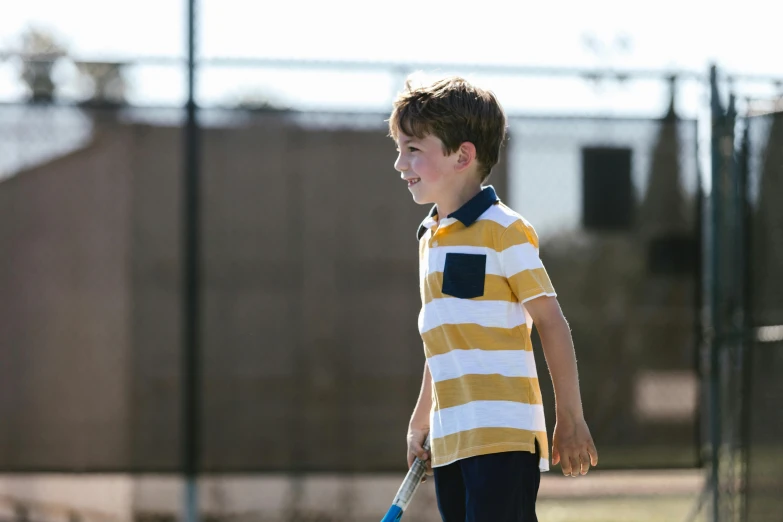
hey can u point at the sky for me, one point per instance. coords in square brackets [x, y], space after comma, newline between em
[664, 35]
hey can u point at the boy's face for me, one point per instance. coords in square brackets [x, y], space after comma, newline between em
[424, 166]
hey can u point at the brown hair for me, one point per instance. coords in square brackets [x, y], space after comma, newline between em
[454, 111]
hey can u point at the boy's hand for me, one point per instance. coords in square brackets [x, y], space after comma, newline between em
[573, 447]
[416, 437]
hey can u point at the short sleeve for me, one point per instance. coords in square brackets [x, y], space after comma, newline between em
[521, 263]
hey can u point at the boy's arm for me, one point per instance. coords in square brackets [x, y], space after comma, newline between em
[419, 426]
[572, 444]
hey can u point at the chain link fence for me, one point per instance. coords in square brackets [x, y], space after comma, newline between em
[762, 153]
[310, 359]
[744, 250]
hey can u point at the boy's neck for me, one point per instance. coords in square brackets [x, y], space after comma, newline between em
[450, 203]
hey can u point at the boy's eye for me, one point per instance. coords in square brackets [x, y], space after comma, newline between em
[412, 149]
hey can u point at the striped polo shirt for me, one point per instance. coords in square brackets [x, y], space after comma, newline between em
[477, 268]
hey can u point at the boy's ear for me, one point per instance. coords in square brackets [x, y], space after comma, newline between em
[466, 155]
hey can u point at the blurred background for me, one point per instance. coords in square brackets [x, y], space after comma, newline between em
[208, 271]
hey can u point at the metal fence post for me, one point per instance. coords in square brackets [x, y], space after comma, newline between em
[191, 382]
[744, 303]
[713, 260]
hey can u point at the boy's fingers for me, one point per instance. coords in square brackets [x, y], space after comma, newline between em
[574, 465]
[555, 456]
[565, 465]
[584, 457]
[417, 447]
[593, 454]
[569, 463]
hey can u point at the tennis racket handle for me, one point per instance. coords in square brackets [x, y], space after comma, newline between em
[412, 481]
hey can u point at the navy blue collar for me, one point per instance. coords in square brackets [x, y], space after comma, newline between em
[468, 213]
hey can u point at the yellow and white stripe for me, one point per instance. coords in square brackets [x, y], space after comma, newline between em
[503, 363]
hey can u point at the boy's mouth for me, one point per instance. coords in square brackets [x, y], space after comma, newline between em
[413, 181]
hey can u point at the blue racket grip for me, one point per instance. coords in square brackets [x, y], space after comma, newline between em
[393, 515]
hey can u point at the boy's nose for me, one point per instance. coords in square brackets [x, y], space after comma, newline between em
[400, 165]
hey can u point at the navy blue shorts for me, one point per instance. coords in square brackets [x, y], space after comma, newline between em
[499, 487]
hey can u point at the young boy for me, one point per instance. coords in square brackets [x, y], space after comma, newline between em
[483, 286]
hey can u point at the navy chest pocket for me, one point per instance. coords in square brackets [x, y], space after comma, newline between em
[463, 275]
